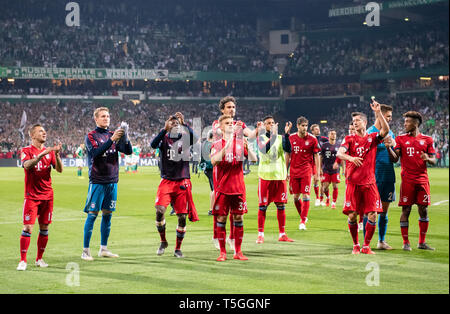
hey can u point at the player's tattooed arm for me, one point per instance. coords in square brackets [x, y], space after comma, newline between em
[342, 154]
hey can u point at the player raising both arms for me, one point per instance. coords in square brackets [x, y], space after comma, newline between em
[361, 193]
[330, 174]
[272, 177]
[37, 161]
[174, 142]
[227, 156]
[227, 106]
[414, 150]
[301, 148]
[385, 177]
[103, 147]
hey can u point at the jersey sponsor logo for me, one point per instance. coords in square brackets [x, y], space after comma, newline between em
[410, 151]
[360, 151]
[296, 149]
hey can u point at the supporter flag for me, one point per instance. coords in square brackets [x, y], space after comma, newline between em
[23, 123]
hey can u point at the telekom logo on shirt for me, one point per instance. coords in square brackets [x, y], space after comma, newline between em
[296, 149]
[410, 151]
[360, 151]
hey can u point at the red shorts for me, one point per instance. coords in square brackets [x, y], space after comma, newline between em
[300, 185]
[175, 193]
[362, 199]
[225, 204]
[331, 178]
[414, 193]
[35, 208]
[272, 191]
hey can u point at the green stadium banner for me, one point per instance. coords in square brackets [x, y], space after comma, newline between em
[131, 74]
[396, 4]
[77, 73]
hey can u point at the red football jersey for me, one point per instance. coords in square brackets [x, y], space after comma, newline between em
[216, 126]
[302, 152]
[414, 169]
[364, 147]
[38, 182]
[229, 175]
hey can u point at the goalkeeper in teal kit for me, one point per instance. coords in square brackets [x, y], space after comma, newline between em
[385, 177]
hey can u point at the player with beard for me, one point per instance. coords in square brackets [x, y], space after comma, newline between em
[361, 192]
[302, 147]
[174, 142]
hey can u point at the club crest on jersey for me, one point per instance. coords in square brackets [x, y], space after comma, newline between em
[307, 143]
[405, 199]
[370, 140]
[422, 142]
[47, 156]
[27, 218]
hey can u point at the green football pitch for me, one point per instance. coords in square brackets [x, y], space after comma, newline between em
[319, 261]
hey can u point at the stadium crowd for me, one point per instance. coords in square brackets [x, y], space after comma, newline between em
[166, 36]
[434, 108]
[70, 122]
[341, 56]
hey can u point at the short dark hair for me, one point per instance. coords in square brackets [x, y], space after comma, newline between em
[301, 120]
[31, 129]
[314, 126]
[362, 115]
[386, 108]
[414, 115]
[268, 117]
[331, 130]
[226, 99]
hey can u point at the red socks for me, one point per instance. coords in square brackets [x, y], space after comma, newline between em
[24, 245]
[261, 218]
[335, 195]
[221, 236]
[298, 205]
[423, 228]
[353, 227]
[305, 210]
[25, 239]
[370, 230]
[404, 226]
[180, 237]
[281, 217]
[238, 235]
[316, 190]
[42, 243]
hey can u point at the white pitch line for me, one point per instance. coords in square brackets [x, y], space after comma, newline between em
[441, 202]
